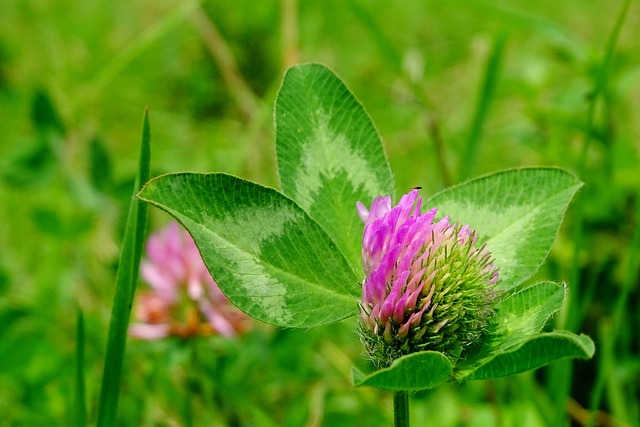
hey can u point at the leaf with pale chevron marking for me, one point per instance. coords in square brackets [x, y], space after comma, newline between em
[266, 254]
[516, 212]
[329, 154]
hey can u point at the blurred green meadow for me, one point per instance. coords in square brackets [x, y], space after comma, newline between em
[456, 89]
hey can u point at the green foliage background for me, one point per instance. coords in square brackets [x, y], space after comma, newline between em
[455, 88]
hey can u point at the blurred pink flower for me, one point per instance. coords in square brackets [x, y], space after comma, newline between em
[184, 300]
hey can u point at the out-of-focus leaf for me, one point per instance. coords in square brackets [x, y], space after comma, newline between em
[52, 223]
[31, 166]
[101, 170]
[35, 163]
[44, 115]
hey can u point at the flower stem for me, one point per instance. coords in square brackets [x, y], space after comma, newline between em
[401, 409]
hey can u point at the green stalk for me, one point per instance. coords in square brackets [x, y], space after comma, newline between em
[601, 81]
[610, 329]
[401, 409]
[134, 49]
[561, 373]
[80, 414]
[485, 97]
[370, 23]
[126, 280]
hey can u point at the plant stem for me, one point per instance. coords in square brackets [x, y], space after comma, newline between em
[486, 95]
[80, 402]
[290, 53]
[438, 144]
[132, 50]
[239, 89]
[401, 409]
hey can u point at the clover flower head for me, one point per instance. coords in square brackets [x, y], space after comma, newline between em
[184, 300]
[427, 285]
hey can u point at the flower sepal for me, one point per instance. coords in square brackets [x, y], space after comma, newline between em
[413, 372]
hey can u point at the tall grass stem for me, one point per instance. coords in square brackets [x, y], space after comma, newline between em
[561, 373]
[126, 280]
[80, 408]
[238, 88]
[134, 49]
[485, 96]
[609, 331]
[290, 50]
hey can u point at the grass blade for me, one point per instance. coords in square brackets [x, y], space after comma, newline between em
[134, 49]
[485, 96]
[561, 374]
[125, 288]
[369, 21]
[600, 82]
[80, 408]
[610, 330]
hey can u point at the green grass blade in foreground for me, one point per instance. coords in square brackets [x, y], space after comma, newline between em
[80, 408]
[416, 371]
[266, 254]
[516, 212]
[126, 281]
[329, 154]
[538, 351]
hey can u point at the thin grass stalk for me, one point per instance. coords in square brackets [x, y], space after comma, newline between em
[495, 390]
[80, 408]
[370, 23]
[290, 50]
[134, 49]
[600, 82]
[438, 144]
[608, 336]
[239, 90]
[561, 374]
[126, 281]
[486, 95]
[394, 57]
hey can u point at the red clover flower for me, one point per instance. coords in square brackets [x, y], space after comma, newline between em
[184, 300]
[427, 286]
